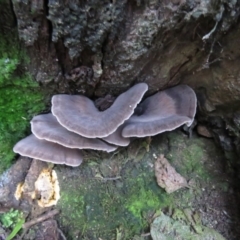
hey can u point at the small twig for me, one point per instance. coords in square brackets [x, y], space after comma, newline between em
[145, 234]
[207, 36]
[40, 219]
[108, 178]
[214, 210]
[111, 178]
[207, 63]
[114, 154]
[218, 19]
[61, 233]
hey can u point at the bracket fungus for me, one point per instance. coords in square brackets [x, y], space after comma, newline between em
[116, 138]
[164, 111]
[46, 151]
[79, 114]
[75, 123]
[47, 127]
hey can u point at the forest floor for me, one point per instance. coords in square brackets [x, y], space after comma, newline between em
[115, 196]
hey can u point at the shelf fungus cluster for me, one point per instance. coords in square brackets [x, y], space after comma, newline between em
[75, 123]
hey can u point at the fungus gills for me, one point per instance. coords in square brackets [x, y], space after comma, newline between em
[75, 123]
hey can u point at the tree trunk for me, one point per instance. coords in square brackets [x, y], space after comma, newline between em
[103, 47]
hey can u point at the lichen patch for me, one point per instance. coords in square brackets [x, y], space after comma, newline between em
[19, 190]
[47, 188]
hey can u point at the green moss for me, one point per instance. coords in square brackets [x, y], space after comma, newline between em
[143, 201]
[20, 98]
[72, 200]
[89, 210]
[193, 156]
[188, 155]
[145, 196]
[96, 209]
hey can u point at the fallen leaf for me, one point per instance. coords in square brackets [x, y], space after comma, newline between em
[167, 177]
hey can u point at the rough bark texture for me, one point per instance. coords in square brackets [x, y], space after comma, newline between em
[99, 47]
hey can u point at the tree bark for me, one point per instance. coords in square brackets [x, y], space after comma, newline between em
[102, 47]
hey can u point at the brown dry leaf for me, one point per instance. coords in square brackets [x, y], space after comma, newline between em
[167, 177]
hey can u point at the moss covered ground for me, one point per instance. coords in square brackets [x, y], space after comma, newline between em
[115, 196]
[20, 97]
